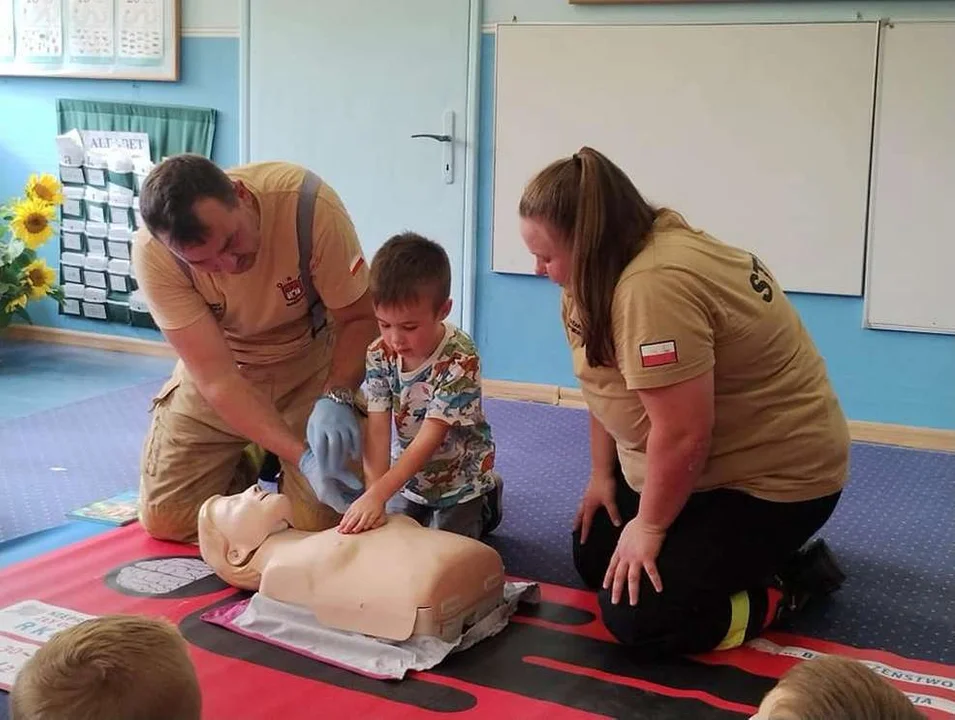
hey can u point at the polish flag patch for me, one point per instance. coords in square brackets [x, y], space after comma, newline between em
[356, 264]
[656, 354]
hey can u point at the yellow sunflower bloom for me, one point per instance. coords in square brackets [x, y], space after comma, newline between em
[45, 187]
[17, 303]
[31, 222]
[40, 278]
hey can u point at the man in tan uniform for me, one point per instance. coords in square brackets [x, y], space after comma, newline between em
[718, 446]
[257, 279]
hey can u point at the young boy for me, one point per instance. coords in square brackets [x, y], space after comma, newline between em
[111, 667]
[829, 687]
[427, 374]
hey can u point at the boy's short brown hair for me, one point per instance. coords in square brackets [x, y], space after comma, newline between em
[408, 267]
[115, 666]
[830, 687]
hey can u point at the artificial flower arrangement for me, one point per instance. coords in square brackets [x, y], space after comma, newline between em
[25, 225]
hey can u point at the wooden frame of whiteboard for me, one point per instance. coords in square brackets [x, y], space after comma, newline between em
[168, 71]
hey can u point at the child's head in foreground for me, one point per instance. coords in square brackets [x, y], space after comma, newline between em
[411, 291]
[835, 688]
[115, 667]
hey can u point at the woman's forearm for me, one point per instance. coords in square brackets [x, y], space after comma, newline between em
[603, 450]
[674, 464]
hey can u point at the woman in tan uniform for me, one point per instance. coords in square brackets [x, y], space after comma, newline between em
[718, 447]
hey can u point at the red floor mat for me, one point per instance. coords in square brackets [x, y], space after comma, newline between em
[553, 662]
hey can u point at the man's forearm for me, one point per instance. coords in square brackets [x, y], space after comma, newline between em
[674, 464]
[251, 415]
[348, 354]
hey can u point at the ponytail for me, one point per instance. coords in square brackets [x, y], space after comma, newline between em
[597, 211]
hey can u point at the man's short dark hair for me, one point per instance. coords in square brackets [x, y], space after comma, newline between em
[170, 192]
[408, 267]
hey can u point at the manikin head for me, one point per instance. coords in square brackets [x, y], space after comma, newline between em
[209, 220]
[410, 287]
[233, 527]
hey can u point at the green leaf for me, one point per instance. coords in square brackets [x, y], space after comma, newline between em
[22, 312]
[13, 250]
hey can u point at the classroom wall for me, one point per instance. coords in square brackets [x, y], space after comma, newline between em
[209, 77]
[882, 376]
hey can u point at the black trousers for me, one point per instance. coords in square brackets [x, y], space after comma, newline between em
[724, 542]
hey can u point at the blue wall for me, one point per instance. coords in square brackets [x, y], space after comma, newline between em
[882, 376]
[209, 77]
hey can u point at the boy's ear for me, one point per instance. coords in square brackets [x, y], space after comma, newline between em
[444, 310]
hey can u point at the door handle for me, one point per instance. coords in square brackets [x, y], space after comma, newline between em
[447, 137]
[439, 138]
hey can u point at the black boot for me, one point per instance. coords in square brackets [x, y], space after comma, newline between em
[811, 573]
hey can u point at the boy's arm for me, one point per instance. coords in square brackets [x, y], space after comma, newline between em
[377, 446]
[412, 459]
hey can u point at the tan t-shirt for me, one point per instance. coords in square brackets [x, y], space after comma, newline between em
[263, 312]
[687, 304]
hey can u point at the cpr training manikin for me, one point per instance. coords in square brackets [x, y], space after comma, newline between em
[395, 598]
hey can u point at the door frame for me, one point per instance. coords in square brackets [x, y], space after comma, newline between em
[472, 115]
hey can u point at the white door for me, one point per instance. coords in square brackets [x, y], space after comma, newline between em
[341, 86]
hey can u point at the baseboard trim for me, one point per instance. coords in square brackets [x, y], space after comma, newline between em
[920, 438]
[99, 341]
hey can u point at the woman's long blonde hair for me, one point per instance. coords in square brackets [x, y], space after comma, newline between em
[604, 220]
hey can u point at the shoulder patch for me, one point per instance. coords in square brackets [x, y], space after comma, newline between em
[658, 353]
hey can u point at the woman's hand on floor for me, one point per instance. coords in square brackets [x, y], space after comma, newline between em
[637, 551]
[600, 493]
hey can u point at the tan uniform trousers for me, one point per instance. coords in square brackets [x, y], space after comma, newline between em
[191, 454]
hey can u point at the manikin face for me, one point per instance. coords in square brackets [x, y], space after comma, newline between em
[247, 519]
[233, 237]
[552, 257]
[412, 331]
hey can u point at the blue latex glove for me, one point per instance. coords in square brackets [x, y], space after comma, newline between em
[333, 435]
[337, 490]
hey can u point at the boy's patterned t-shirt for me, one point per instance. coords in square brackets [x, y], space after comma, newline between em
[447, 386]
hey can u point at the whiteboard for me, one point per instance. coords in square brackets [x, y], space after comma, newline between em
[759, 134]
[912, 245]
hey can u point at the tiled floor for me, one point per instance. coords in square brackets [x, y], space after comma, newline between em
[41, 376]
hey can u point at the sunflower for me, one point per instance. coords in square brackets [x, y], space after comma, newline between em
[18, 303]
[31, 222]
[45, 187]
[39, 277]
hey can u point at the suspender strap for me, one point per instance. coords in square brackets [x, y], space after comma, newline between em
[305, 217]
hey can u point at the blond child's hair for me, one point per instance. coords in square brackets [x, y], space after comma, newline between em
[114, 667]
[830, 687]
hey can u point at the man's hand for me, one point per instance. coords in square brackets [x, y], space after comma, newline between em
[366, 513]
[338, 490]
[333, 435]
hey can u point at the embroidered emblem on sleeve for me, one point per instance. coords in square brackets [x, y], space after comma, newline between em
[659, 353]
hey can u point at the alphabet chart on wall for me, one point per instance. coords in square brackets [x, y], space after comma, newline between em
[105, 39]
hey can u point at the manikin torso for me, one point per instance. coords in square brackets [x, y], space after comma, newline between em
[395, 581]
